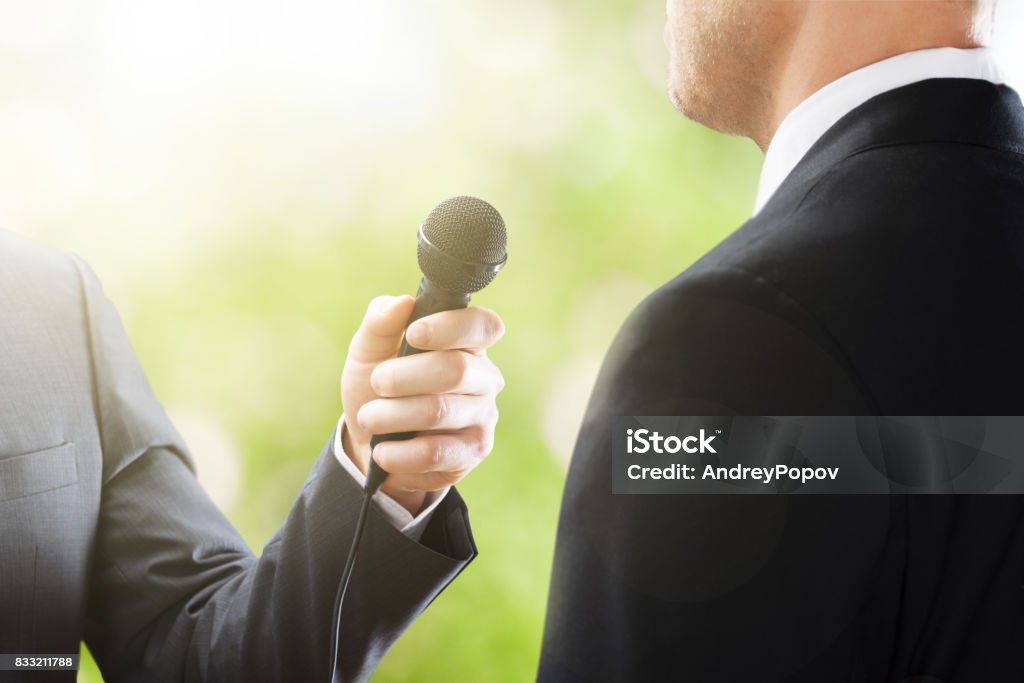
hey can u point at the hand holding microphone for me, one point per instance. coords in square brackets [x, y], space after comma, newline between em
[422, 420]
[436, 399]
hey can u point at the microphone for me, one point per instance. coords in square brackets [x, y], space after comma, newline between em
[462, 246]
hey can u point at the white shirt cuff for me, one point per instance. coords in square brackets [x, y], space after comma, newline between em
[399, 517]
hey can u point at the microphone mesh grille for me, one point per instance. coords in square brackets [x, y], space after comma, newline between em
[468, 229]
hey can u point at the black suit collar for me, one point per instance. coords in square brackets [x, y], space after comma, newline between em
[942, 110]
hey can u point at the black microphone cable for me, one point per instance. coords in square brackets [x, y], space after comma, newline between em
[374, 479]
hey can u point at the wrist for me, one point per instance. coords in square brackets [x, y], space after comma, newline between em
[359, 453]
[410, 500]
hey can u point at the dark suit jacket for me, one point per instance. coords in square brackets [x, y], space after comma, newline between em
[886, 276]
[106, 535]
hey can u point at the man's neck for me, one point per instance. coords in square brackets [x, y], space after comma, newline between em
[822, 53]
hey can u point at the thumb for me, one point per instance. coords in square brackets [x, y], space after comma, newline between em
[380, 334]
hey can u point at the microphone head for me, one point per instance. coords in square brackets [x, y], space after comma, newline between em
[462, 244]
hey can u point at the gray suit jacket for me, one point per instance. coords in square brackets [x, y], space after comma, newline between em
[106, 536]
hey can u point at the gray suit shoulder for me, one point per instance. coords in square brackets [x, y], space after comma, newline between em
[38, 279]
[45, 375]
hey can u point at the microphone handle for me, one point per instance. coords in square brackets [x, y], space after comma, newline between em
[429, 299]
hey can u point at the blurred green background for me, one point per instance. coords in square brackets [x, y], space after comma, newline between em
[246, 176]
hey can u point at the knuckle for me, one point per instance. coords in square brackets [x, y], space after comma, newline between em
[441, 409]
[458, 368]
[494, 327]
[481, 446]
[434, 457]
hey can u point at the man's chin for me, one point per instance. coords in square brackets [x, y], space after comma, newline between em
[701, 110]
[677, 97]
[688, 105]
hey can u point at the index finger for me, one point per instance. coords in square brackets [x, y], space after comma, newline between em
[471, 329]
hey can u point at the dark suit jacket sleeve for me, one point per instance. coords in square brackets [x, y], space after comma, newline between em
[176, 595]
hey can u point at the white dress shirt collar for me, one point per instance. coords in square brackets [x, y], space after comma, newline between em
[804, 125]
